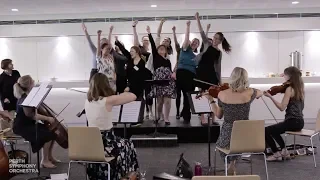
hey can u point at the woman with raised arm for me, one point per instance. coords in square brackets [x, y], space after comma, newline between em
[162, 71]
[136, 69]
[119, 59]
[209, 39]
[144, 55]
[98, 105]
[185, 71]
[209, 66]
[234, 104]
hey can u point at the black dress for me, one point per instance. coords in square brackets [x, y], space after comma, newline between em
[135, 74]
[25, 127]
[206, 70]
[6, 89]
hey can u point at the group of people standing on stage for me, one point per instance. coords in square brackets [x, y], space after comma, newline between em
[118, 77]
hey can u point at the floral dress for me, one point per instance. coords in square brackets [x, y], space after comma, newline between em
[106, 66]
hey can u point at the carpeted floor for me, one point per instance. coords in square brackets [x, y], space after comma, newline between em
[157, 160]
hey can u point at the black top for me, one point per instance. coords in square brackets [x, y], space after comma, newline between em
[120, 63]
[158, 61]
[206, 68]
[144, 53]
[6, 89]
[136, 73]
[294, 109]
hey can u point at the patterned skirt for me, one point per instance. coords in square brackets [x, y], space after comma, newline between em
[125, 158]
[163, 73]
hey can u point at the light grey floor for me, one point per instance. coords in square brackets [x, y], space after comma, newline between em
[157, 160]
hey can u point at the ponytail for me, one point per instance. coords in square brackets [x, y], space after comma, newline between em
[225, 45]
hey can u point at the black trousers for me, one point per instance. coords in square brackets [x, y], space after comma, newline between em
[121, 83]
[273, 132]
[185, 84]
[178, 101]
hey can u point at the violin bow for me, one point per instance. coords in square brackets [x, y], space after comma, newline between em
[269, 109]
[204, 82]
[76, 90]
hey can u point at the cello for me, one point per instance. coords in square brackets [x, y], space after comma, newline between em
[57, 127]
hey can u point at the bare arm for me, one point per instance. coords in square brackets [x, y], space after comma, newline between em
[110, 35]
[98, 53]
[135, 34]
[91, 44]
[120, 99]
[285, 100]
[29, 112]
[186, 37]
[208, 28]
[157, 41]
[176, 43]
[202, 33]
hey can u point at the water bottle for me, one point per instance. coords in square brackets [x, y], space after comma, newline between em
[198, 169]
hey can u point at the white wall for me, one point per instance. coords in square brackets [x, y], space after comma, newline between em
[60, 50]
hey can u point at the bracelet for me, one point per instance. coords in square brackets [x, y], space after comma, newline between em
[213, 102]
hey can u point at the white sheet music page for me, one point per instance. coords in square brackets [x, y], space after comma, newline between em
[44, 85]
[30, 96]
[115, 113]
[200, 104]
[130, 112]
[38, 97]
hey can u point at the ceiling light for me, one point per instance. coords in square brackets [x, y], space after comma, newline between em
[295, 2]
[15, 10]
[154, 5]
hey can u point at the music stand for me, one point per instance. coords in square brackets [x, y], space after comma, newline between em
[34, 100]
[201, 106]
[130, 113]
[156, 83]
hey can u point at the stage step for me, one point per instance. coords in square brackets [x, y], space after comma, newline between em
[163, 140]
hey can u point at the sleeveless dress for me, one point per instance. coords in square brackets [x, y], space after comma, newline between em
[232, 112]
[25, 127]
[122, 149]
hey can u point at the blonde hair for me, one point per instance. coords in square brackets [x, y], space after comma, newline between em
[23, 86]
[99, 87]
[239, 79]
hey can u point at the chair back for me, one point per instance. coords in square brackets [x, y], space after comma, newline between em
[318, 122]
[85, 144]
[249, 177]
[247, 136]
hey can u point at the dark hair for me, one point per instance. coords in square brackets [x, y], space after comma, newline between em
[5, 63]
[202, 45]
[225, 45]
[137, 49]
[296, 82]
[196, 39]
[164, 47]
[99, 87]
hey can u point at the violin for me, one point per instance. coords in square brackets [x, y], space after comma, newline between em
[57, 127]
[215, 89]
[279, 89]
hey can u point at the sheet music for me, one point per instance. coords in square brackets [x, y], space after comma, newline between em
[201, 104]
[44, 85]
[38, 97]
[30, 96]
[130, 112]
[115, 113]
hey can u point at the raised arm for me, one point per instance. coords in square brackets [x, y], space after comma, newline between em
[124, 51]
[176, 43]
[202, 33]
[91, 45]
[159, 32]
[153, 45]
[98, 53]
[208, 28]
[186, 37]
[135, 34]
[110, 35]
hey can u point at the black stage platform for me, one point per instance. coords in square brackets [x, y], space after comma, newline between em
[187, 133]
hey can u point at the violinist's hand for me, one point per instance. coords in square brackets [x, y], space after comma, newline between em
[174, 76]
[265, 93]
[207, 95]
[127, 89]
[50, 120]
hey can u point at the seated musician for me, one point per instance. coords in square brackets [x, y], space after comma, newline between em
[98, 106]
[234, 104]
[24, 124]
[293, 103]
